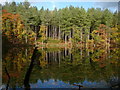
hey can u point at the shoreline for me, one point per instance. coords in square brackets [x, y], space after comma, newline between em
[73, 45]
[62, 45]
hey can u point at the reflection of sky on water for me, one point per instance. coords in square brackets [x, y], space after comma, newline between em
[60, 84]
[95, 84]
[52, 84]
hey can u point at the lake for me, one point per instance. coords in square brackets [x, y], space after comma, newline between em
[60, 67]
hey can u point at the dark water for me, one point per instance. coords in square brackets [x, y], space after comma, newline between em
[61, 68]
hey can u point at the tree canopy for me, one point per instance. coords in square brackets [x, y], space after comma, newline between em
[69, 24]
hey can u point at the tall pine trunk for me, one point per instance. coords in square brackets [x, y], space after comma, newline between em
[65, 38]
[59, 33]
[49, 30]
[46, 32]
[55, 32]
[26, 39]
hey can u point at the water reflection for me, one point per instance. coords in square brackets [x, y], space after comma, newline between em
[34, 58]
[55, 67]
[51, 83]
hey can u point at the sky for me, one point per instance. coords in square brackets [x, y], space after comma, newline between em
[112, 5]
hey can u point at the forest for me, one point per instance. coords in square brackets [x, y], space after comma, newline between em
[43, 48]
[26, 24]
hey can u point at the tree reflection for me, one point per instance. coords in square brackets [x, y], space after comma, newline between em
[73, 65]
[7, 86]
[34, 58]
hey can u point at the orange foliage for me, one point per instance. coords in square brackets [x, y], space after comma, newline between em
[103, 31]
[102, 28]
[12, 17]
[4, 11]
[10, 25]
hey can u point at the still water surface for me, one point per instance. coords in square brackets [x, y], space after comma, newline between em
[61, 68]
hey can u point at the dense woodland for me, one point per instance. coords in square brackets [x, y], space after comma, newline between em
[23, 23]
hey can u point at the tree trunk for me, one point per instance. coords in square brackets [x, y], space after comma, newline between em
[26, 51]
[59, 33]
[81, 54]
[34, 58]
[65, 38]
[46, 57]
[46, 32]
[26, 39]
[49, 31]
[65, 51]
[55, 32]
[88, 36]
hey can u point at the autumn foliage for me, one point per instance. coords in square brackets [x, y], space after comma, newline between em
[13, 28]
